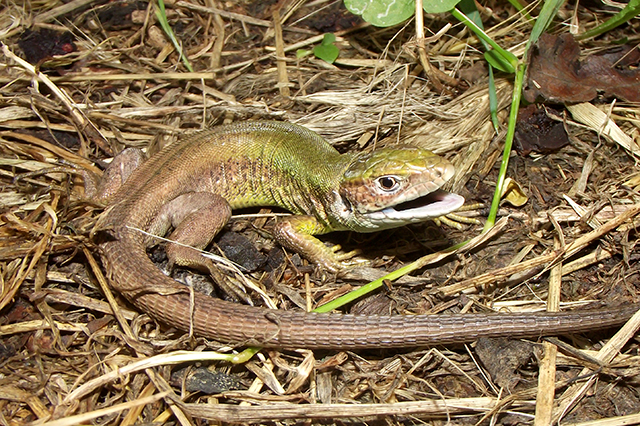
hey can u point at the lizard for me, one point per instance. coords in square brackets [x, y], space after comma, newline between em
[193, 185]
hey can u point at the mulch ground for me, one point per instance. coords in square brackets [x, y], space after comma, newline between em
[81, 81]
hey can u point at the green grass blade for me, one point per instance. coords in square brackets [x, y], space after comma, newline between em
[631, 10]
[164, 23]
[509, 58]
[508, 143]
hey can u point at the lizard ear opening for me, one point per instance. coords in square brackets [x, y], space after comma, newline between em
[347, 207]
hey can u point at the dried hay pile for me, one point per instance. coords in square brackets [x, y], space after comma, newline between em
[82, 80]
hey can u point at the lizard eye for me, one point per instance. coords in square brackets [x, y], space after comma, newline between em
[388, 183]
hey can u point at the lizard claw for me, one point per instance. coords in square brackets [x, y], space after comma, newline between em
[345, 256]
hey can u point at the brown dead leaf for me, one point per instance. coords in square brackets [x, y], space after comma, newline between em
[557, 74]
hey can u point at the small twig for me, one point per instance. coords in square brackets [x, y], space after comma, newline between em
[281, 63]
[422, 51]
[86, 417]
[547, 377]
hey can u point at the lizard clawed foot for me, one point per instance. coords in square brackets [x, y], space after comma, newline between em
[230, 285]
[455, 220]
[340, 261]
[336, 262]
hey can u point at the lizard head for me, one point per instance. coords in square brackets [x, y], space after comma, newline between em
[396, 186]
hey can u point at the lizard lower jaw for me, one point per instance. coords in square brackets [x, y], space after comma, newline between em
[435, 204]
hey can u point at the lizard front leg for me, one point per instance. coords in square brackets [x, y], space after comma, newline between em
[297, 233]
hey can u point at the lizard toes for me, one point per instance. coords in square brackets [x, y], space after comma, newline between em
[347, 255]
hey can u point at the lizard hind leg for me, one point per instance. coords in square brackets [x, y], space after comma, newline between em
[196, 218]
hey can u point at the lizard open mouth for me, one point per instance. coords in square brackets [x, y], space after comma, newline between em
[431, 199]
[434, 204]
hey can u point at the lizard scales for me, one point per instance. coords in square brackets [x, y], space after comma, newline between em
[280, 164]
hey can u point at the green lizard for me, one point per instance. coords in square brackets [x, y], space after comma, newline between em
[192, 186]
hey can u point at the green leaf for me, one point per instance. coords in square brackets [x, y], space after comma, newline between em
[329, 38]
[469, 9]
[439, 6]
[326, 52]
[382, 13]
